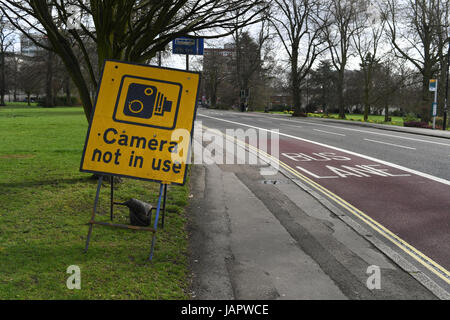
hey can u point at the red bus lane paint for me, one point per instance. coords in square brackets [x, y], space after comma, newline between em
[415, 208]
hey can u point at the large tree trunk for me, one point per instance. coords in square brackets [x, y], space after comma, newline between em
[213, 96]
[295, 83]
[67, 90]
[386, 113]
[296, 97]
[425, 105]
[367, 90]
[366, 102]
[340, 93]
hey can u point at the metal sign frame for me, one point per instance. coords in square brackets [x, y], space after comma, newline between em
[163, 184]
[162, 191]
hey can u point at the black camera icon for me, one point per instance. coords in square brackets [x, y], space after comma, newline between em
[144, 101]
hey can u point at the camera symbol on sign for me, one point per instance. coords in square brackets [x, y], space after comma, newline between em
[144, 101]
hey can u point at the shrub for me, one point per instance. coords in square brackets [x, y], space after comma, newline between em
[397, 113]
[440, 122]
[411, 117]
[59, 101]
[416, 124]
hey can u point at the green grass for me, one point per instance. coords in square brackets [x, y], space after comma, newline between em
[45, 204]
[272, 112]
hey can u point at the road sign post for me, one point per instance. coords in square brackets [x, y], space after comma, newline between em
[141, 127]
[444, 125]
[433, 86]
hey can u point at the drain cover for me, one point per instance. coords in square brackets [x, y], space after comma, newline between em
[271, 182]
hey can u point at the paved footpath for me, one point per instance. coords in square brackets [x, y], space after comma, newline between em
[264, 237]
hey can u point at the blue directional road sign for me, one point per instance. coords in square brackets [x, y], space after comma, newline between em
[432, 85]
[186, 45]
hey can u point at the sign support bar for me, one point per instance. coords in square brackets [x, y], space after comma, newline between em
[156, 221]
[161, 198]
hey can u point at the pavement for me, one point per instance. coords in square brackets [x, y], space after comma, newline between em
[266, 237]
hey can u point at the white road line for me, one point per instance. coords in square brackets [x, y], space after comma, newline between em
[393, 165]
[367, 131]
[333, 133]
[391, 144]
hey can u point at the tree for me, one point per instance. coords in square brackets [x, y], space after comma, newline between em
[299, 27]
[6, 43]
[125, 30]
[339, 32]
[390, 78]
[215, 71]
[12, 73]
[366, 39]
[418, 31]
[323, 86]
[250, 54]
[248, 62]
[31, 75]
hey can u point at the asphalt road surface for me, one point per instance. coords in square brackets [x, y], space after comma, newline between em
[397, 183]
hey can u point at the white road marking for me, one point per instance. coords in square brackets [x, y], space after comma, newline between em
[366, 131]
[333, 133]
[421, 174]
[391, 144]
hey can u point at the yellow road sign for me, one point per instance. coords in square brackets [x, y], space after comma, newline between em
[142, 122]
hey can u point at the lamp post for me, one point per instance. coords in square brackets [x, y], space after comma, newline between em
[444, 125]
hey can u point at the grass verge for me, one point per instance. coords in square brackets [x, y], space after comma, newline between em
[45, 204]
[398, 121]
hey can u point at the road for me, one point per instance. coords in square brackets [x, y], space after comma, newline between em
[396, 183]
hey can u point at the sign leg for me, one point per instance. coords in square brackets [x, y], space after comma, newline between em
[112, 198]
[99, 185]
[158, 207]
[164, 206]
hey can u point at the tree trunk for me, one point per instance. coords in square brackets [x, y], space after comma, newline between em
[214, 96]
[67, 90]
[295, 83]
[340, 93]
[296, 98]
[367, 89]
[426, 100]
[366, 103]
